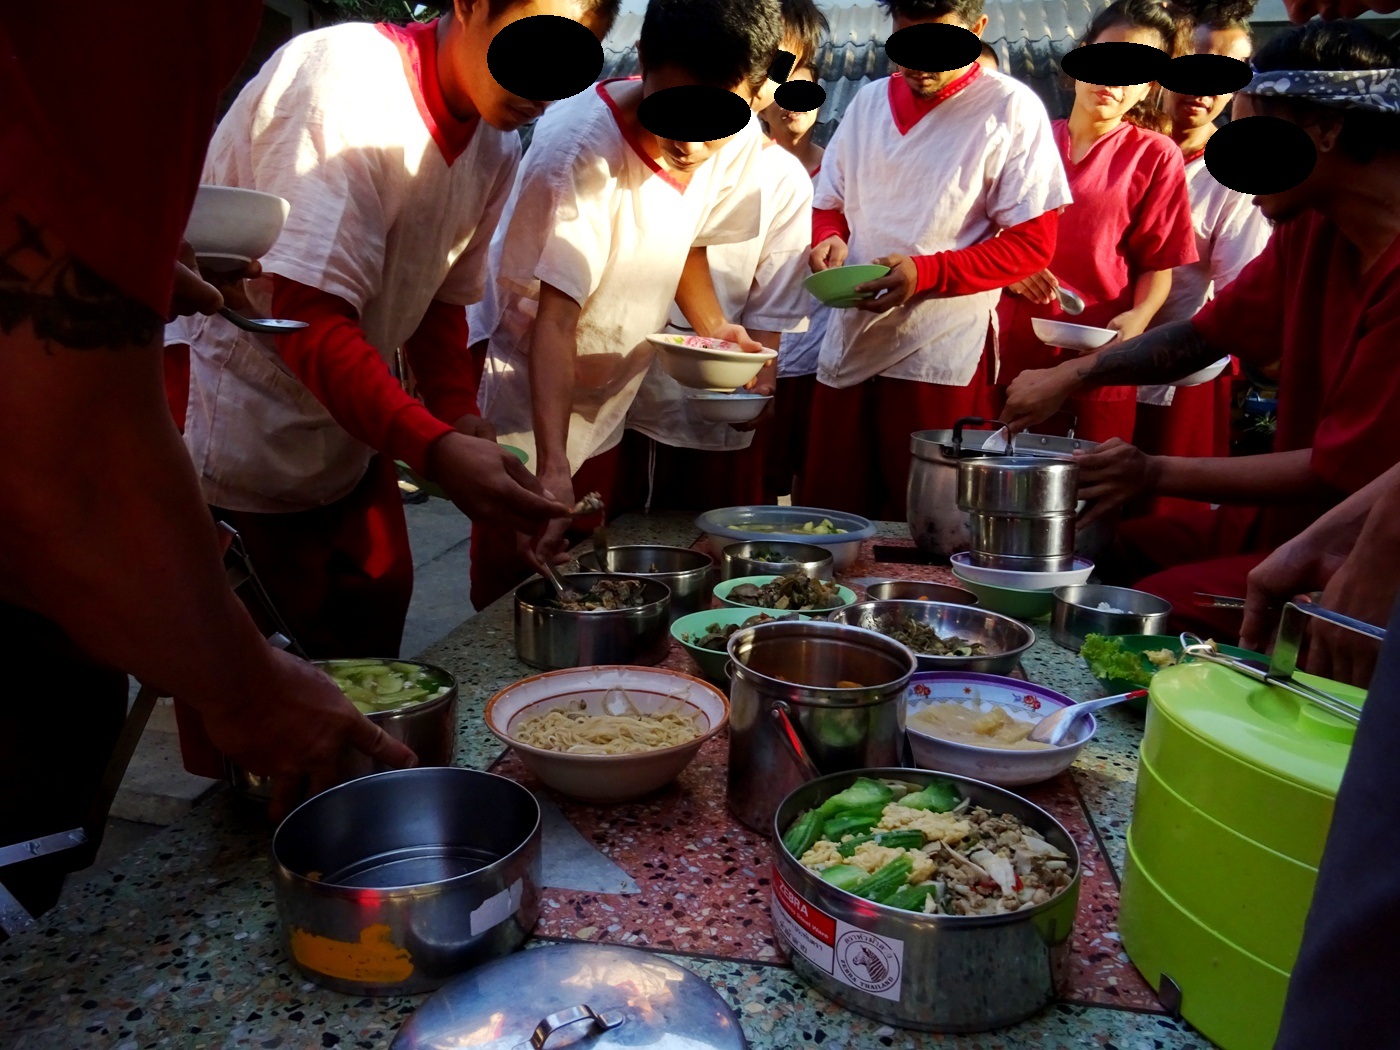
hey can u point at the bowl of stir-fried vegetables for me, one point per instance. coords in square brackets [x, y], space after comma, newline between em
[923, 900]
[705, 635]
[946, 637]
[795, 592]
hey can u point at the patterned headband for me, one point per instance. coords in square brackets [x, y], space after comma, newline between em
[1374, 89]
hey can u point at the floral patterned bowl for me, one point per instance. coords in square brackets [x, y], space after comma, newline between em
[1022, 701]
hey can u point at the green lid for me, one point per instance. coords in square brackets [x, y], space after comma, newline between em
[1262, 726]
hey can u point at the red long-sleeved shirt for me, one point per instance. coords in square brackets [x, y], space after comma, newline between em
[348, 375]
[1011, 256]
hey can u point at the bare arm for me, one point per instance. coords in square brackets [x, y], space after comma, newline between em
[1275, 477]
[1150, 291]
[553, 358]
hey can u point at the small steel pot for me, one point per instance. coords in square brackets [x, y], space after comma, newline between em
[797, 712]
[430, 729]
[940, 973]
[913, 591]
[1077, 615]
[1025, 486]
[1006, 639]
[1048, 538]
[550, 638]
[689, 573]
[741, 559]
[394, 883]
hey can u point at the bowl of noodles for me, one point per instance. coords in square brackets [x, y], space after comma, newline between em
[607, 734]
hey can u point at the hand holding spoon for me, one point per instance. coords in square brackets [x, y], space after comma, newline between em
[262, 325]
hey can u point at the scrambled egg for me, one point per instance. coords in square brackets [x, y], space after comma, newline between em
[822, 855]
[936, 827]
[1160, 657]
[871, 858]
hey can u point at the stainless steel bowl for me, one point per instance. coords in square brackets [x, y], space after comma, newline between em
[1046, 538]
[1027, 486]
[957, 973]
[1059, 563]
[551, 639]
[689, 573]
[741, 559]
[1006, 639]
[913, 591]
[394, 883]
[430, 729]
[1077, 614]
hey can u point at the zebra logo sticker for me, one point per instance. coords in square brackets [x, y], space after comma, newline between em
[868, 962]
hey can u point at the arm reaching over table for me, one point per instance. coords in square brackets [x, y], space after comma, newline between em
[1159, 356]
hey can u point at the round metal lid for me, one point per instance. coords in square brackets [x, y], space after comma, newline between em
[574, 995]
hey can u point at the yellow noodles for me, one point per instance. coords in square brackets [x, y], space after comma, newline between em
[576, 732]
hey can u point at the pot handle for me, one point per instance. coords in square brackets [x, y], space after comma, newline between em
[970, 421]
[787, 732]
[572, 1015]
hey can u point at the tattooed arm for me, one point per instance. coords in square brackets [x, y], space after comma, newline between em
[106, 533]
[1158, 356]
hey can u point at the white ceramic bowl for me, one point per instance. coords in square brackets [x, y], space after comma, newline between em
[234, 226]
[708, 364]
[1205, 375]
[995, 765]
[1022, 581]
[733, 525]
[1071, 336]
[738, 407]
[606, 778]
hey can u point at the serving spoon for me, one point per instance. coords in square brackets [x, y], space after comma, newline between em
[262, 325]
[1056, 728]
[1070, 302]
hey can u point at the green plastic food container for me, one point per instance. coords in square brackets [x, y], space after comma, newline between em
[1235, 791]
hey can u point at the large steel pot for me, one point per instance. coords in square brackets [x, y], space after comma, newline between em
[1039, 544]
[394, 883]
[430, 729]
[550, 638]
[689, 573]
[945, 973]
[1020, 486]
[939, 526]
[808, 698]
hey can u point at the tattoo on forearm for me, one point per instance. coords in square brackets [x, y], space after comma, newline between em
[65, 301]
[1161, 355]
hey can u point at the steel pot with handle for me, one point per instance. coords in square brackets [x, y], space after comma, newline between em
[808, 698]
[937, 524]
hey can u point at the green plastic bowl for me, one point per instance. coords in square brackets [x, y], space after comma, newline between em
[1011, 601]
[1141, 643]
[710, 661]
[519, 453]
[836, 287]
[848, 596]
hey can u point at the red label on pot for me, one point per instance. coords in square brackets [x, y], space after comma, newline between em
[815, 923]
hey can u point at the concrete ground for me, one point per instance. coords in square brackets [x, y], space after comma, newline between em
[157, 790]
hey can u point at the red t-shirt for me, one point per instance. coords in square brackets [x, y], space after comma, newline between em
[1305, 303]
[107, 111]
[1131, 215]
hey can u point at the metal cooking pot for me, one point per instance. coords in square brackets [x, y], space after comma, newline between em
[942, 973]
[430, 729]
[808, 698]
[394, 883]
[551, 639]
[1020, 486]
[1041, 544]
[689, 573]
[752, 558]
[939, 526]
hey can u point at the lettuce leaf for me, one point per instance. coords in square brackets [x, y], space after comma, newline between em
[1108, 659]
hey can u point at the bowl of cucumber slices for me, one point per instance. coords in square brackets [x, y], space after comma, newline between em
[411, 701]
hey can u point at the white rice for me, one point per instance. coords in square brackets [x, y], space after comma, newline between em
[1105, 607]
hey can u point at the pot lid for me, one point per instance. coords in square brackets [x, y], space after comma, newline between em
[574, 995]
[1040, 446]
[1260, 725]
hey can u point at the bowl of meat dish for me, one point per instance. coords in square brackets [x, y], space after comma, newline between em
[978, 725]
[702, 363]
[946, 637]
[607, 734]
[949, 902]
[614, 619]
[705, 636]
[795, 592]
[775, 558]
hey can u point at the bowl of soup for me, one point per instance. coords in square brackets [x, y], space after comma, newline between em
[978, 725]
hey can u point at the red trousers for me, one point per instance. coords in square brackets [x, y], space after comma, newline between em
[1195, 424]
[858, 442]
[688, 479]
[497, 565]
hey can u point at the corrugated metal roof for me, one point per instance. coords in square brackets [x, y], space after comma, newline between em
[1029, 36]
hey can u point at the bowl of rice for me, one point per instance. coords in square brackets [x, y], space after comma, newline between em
[607, 734]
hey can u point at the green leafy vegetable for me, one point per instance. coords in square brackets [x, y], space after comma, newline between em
[939, 796]
[1109, 659]
[854, 822]
[844, 876]
[863, 794]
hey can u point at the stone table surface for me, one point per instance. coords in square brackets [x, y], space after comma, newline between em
[179, 945]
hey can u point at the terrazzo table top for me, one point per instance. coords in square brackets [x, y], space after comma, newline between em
[178, 946]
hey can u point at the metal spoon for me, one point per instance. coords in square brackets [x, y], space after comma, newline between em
[561, 585]
[1056, 728]
[263, 325]
[1070, 302]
